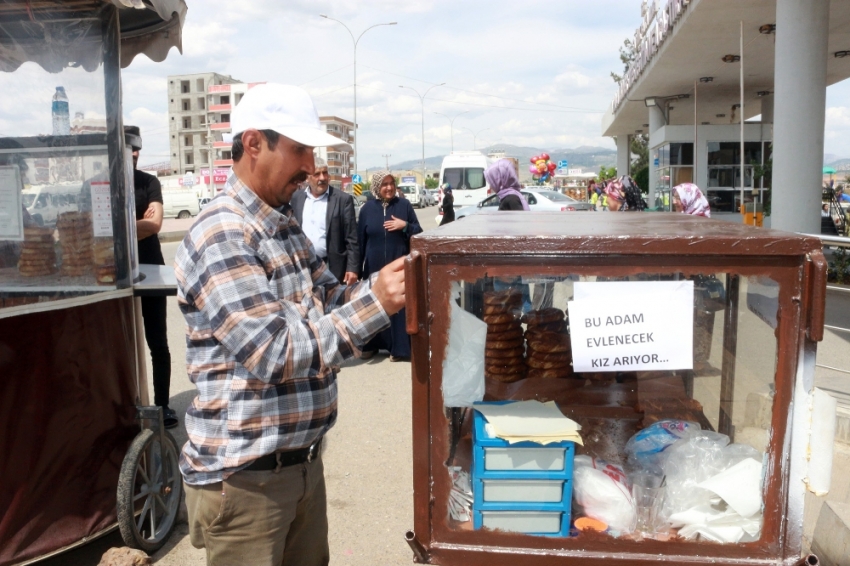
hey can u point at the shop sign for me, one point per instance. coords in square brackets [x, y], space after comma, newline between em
[651, 331]
[649, 37]
[219, 175]
[408, 180]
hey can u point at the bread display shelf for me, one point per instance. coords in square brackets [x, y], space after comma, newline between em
[12, 282]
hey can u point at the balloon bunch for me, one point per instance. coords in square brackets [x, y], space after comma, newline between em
[541, 168]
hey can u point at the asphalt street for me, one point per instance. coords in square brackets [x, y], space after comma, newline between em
[367, 458]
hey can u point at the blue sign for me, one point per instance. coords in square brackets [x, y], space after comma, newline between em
[563, 164]
[356, 179]
[408, 180]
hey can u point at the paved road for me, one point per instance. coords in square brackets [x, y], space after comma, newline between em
[367, 459]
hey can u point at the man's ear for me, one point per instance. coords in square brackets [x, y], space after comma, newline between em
[252, 142]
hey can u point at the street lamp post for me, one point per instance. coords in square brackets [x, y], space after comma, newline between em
[475, 135]
[451, 126]
[356, 41]
[387, 156]
[422, 100]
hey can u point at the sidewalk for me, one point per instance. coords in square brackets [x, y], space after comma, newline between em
[173, 229]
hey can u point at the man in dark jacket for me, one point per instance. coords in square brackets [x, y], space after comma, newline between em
[326, 216]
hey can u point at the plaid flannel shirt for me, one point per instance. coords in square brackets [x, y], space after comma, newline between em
[267, 323]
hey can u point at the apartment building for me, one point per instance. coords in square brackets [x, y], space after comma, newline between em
[199, 107]
[198, 114]
[339, 160]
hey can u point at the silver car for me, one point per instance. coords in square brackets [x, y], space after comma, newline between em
[538, 200]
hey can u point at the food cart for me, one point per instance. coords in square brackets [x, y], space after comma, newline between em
[82, 454]
[698, 334]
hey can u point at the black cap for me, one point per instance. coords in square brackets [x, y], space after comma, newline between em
[133, 137]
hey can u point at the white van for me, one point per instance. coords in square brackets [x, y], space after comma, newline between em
[45, 203]
[416, 194]
[464, 171]
[179, 203]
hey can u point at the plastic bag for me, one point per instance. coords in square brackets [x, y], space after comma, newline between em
[463, 369]
[695, 459]
[644, 449]
[602, 492]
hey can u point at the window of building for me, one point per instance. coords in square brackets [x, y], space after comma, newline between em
[225, 99]
[225, 118]
[184, 87]
[205, 156]
[200, 85]
[201, 103]
[187, 141]
[189, 159]
[187, 122]
[187, 104]
[202, 119]
[204, 139]
[226, 155]
[237, 97]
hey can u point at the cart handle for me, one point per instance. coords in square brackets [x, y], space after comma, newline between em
[413, 290]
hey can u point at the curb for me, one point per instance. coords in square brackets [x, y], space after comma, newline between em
[167, 237]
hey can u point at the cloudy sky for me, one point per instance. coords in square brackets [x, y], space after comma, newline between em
[533, 73]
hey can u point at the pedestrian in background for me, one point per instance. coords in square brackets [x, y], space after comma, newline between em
[615, 198]
[688, 199]
[502, 179]
[384, 229]
[448, 205]
[326, 215]
[149, 212]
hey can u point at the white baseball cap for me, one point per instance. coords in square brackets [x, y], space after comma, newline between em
[286, 109]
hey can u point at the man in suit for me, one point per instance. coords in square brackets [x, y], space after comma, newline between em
[326, 215]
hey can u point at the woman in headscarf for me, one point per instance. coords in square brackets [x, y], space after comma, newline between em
[615, 196]
[502, 179]
[448, 205]
[688, 199]
[384, 230]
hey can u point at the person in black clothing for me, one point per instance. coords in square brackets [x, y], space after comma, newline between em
[448, 205]
[148, 224]
[502, 178]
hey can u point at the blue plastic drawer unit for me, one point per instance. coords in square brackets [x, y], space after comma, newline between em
[524, 487]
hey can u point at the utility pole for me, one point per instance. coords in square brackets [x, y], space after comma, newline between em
[211, 150]
[387, 158]
[452, 126]
[355, 42]
[422, 101]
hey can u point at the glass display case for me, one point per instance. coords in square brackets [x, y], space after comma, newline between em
[67, 229]
[675, 345]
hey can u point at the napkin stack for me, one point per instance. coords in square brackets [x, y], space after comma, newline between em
[529, 421]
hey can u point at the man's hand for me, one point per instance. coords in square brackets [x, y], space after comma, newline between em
[150, 212]
[394, 224]
[350, 278]
[389, 287]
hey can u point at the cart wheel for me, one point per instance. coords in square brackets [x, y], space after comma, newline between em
[149, 492]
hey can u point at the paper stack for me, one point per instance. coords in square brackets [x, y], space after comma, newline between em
[460, 498]
[529, 421]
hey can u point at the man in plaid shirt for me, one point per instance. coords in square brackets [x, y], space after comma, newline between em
[267, 325]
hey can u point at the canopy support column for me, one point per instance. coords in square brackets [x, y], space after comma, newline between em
[802, 30]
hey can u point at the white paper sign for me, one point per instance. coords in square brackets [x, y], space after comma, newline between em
[11, 211]
[101, 204]
[629, 326]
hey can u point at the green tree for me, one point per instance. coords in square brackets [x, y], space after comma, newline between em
[627, 57]
[431, 183]
[606, 173]
[639, 147]
[641, 177]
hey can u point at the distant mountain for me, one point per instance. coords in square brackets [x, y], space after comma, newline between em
[588, 157]
[840, 165]
[829, 158]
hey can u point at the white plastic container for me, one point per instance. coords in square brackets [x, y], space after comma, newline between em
[541, 459]
[537, 491]
[523, 521]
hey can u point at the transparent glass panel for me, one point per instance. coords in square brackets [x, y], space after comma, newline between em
[696, 428]
[56, 235]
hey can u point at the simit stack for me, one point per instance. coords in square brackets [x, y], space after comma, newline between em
[504, 355]
[548, 344]
[38, 254]
[75, 237]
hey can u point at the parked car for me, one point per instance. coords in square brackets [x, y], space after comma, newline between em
[538, 200]
[202, 202]
[431, 197]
